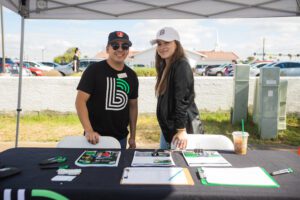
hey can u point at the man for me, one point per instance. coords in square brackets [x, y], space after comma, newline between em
[76, 61]
[107, 95]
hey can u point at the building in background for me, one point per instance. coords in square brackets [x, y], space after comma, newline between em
[217, 57]
[104, 55]
[146, 58]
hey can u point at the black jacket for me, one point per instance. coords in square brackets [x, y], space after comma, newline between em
[176, 107]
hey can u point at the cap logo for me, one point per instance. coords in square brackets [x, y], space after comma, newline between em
[162, 32]
[120, 34]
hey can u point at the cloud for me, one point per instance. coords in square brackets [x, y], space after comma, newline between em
[191, 32]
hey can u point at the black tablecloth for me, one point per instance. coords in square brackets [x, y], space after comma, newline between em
[104, 183]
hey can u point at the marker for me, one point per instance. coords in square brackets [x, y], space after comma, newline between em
[283, 171]
[175, 174]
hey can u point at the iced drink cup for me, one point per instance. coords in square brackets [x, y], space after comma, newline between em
[240, 140]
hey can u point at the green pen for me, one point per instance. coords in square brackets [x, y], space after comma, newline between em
[172, 177]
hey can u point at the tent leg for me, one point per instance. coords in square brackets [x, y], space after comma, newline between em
[19, 109]
[2, 38]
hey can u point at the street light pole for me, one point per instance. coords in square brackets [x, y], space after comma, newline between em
[263, 54]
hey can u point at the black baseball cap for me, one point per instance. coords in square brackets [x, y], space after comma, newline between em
[118, 36]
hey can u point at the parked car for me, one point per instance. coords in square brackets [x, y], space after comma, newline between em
[51, 64]
[287, 68]
[200, 69]
[262, 61]
[14, 71]
[85, 62]
[38, 65]
[9, 63]
[215, 70]
[255, 68]
[68, 69]
[34, 71]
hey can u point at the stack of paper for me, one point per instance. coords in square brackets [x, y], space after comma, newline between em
[152, 159]
[205, 159]
[157, 176]
[250, 176]
[98, 158]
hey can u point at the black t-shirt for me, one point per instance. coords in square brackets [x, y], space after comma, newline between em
[75, 57]
[110, 92]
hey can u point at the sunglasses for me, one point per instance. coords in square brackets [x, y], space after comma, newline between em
[116, 46]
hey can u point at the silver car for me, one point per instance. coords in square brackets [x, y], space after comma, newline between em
[85, 62]
[254, 68]
[215, 70]
[65, 69]
[200, 70]
[51, 64]
[287, 68]
[68, 69]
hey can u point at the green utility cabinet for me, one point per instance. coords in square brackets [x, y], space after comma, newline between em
[268, 102]
[241, 92]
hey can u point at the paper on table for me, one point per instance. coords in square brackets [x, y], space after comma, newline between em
[205, 158]
[98, 158]
[63, 178]
[157, 175]
[147, 159]
[250, 176]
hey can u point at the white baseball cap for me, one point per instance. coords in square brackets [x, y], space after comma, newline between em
[167, 34]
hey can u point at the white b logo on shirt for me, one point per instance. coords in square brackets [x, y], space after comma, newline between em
[116, 97]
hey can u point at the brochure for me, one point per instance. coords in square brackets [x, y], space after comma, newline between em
[156, 176]
[152, 159]
[98, 158]
[205, 158]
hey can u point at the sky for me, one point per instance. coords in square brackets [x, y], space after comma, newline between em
[45, 39]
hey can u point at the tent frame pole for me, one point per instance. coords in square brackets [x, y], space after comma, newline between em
[19, 109]
[2, 38]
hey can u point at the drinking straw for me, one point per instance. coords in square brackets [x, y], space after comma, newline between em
[243, 130]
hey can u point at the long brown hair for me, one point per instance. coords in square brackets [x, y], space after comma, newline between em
[163, 70]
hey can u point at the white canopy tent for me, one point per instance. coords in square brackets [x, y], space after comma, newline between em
[143, 9]
[152, 9]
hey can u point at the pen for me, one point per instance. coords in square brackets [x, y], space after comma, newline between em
[201, 173]
[175, 174]
[283, 171]
[55, 167]
[125, 173]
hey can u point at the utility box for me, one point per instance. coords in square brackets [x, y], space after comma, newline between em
[282, 104]
[256, 97]
[268, 101]
[241, 93]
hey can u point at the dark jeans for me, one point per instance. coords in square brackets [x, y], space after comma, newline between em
[123, 143]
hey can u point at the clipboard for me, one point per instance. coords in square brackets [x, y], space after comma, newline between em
[240, 177]
[156, 176]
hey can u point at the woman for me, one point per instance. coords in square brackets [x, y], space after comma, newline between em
[176, 109]
[76, 61]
